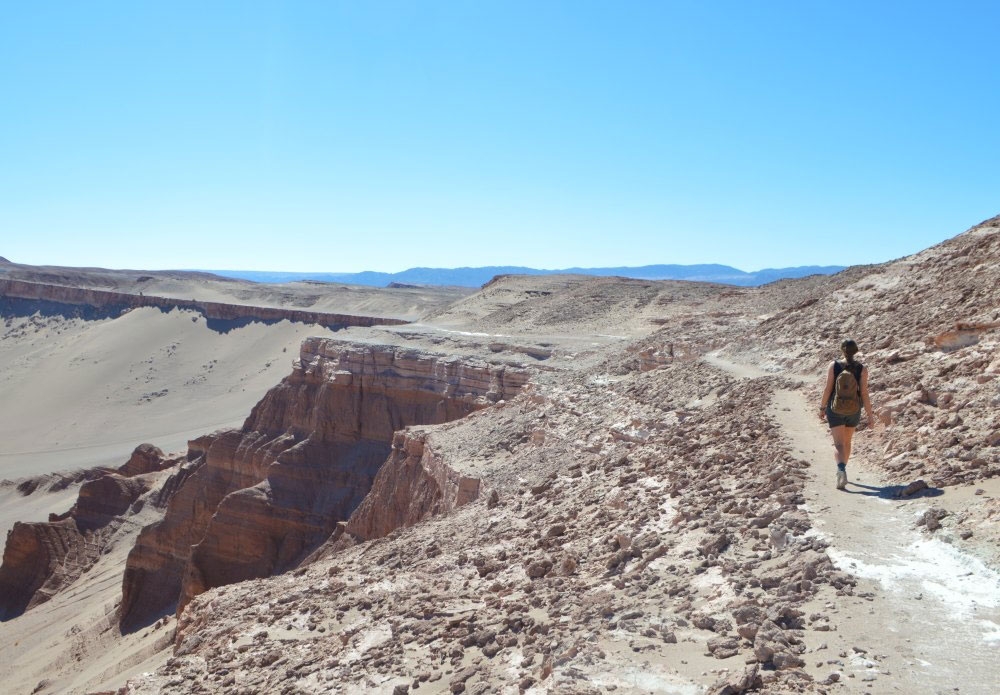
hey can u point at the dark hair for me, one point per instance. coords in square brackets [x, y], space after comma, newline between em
[850, 349]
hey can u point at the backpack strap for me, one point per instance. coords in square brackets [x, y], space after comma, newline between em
[837, 369]
[856, 369]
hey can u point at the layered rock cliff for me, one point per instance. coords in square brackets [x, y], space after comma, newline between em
[114, 303]
[42, 558]
[261, 498]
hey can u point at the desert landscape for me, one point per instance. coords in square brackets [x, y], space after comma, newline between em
[551, 484]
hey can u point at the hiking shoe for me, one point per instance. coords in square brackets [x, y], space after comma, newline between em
[841, 476]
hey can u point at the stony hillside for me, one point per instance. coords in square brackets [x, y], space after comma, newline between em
[929, 328]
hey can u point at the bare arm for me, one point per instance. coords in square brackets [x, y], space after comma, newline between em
[865, 399]
[826, 392]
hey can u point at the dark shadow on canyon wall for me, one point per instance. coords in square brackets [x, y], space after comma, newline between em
[12, 307]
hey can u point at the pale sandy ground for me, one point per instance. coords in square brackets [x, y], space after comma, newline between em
[16, 507]
[78, 394]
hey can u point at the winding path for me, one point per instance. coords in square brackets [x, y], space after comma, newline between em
[925, 616]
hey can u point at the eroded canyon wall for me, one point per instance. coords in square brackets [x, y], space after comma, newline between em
[41, 559]
[114, 303]
[264, 496]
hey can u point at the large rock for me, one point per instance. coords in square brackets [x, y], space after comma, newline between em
[739, 682]
[146, 458]
[157, 562]
[99, 501]
[38, 560]
[268, 494]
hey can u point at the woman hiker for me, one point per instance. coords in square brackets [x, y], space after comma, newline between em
[841, 405]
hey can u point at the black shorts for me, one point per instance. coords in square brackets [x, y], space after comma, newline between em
[835, 420]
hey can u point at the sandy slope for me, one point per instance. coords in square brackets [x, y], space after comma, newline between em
[37, 507]
[79, 394]
[72, 642]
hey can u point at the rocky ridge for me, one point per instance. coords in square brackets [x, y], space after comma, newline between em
[601, 545]
[634, 518]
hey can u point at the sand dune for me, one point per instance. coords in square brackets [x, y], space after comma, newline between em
[84, 393]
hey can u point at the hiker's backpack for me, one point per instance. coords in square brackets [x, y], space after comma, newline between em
[846, 389]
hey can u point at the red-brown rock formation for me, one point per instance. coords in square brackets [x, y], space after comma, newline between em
[146, 459]
[156, 563]
[267, 495]
[414, 484]
[38, 560]
[41, 558]
[101, 500]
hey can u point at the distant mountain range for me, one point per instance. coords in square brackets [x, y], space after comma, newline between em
[476, 277]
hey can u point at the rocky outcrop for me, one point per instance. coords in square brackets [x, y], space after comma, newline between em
[38, 560]
[658, 544]
[42, 558]
[146, 459]
[414, 484]
[156, 563]
[114, 303]
[265, 496]
[103, 499]
[963, 335]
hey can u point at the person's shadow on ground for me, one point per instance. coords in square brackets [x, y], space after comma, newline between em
[895, 492]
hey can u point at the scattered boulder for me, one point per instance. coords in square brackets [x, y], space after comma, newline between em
[931, 519]
[723, 647]
[739, 682]
[912, 489]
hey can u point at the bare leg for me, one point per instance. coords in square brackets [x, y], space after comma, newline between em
[846, 441]
[841, 450]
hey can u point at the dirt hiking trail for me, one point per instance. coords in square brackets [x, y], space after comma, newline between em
[924, 616]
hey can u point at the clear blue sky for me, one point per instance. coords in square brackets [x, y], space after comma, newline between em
[335, 136]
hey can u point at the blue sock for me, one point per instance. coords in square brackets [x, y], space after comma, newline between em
[842, 467]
